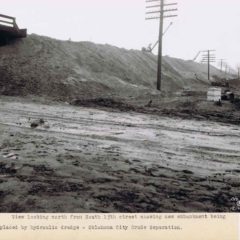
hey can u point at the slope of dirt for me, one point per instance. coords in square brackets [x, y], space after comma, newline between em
[191, 70]
[62, 69]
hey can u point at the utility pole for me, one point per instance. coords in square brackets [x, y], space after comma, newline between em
[160, 11]
[222, 62]
[226, 71]
[208, 58]
[238, 71]
[159, 71]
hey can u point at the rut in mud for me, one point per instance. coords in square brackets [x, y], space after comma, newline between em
[88, 160]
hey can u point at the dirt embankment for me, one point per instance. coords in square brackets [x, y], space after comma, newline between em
[92, 75]
[65, 70]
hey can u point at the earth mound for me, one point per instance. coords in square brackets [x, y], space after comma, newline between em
[67, 70]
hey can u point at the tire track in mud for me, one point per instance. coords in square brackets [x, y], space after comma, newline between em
[139, 142]
[91, 173]
[86, 120]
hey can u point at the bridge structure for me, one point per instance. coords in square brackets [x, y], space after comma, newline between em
[9, 29]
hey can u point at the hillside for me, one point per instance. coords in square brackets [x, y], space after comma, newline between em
[62, 69]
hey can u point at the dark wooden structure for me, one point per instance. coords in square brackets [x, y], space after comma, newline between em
[9, 29]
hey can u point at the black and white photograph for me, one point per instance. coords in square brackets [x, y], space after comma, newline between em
[116, 106]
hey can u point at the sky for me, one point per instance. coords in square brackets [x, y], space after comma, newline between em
[200, 25]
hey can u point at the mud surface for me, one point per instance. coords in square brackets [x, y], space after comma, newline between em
[61, 158]
[185, 108]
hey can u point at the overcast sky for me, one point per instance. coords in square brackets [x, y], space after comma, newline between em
[200, 25]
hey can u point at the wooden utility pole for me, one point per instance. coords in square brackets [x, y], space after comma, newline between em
[160, 9]
[208, 65]
[159, 71]
[222, 62]
[226, 71]
[208, 58]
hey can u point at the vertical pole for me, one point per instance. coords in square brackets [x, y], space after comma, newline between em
[159, 73]
[221, 65]
[208, 65]
[226, 71]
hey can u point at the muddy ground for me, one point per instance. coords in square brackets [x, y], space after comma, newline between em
[55, 157]
[197, 108]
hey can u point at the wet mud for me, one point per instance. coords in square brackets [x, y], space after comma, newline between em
[91, 160]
